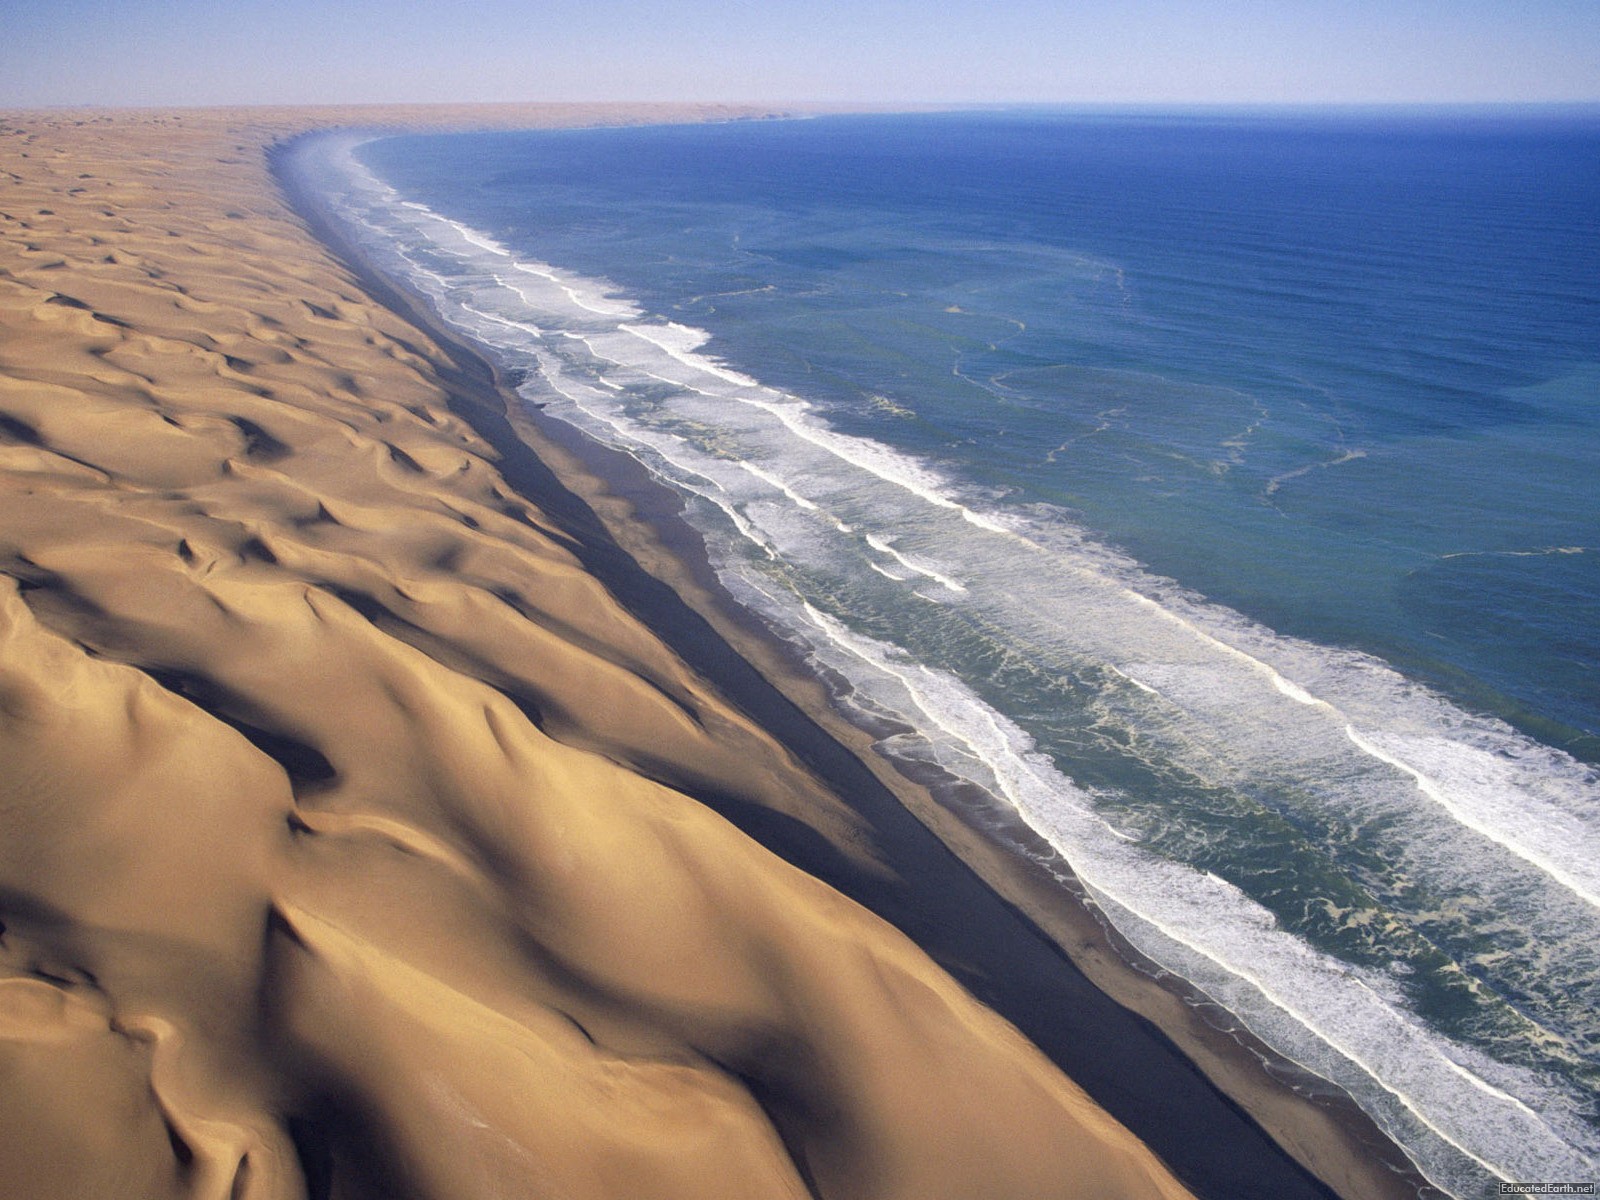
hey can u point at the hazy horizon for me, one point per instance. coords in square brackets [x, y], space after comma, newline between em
[1144, 52]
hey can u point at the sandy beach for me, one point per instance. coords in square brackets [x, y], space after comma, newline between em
[388, 810]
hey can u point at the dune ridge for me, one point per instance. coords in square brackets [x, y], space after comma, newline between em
[352, 841]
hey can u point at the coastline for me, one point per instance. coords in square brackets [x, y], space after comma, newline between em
[1328, 1136]
[976, 910]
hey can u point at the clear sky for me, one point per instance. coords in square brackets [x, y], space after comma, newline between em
[1128, 51]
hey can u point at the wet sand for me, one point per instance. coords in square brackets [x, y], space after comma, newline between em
[377, 823]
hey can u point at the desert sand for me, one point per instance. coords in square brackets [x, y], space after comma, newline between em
[356, 839]
[350, 831]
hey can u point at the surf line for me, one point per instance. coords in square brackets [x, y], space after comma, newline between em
[1434, 792]
[1426, 785]
[1106, 895]
[682, 344]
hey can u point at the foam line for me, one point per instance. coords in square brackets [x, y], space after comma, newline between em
[1235, 705]
[1431, 789]
[997, 745]
[883, 546]
[772, 480]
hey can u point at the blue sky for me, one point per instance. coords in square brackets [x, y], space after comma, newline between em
[1127, 51]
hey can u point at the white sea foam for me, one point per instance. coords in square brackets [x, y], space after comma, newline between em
[884, 546]
[681, 342]
[1463, 806]
[772, 480]
[1469, 783]
[1207, 930]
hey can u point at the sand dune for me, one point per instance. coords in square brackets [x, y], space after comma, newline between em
[352, 835]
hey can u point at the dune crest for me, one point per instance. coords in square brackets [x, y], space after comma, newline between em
[352, 845]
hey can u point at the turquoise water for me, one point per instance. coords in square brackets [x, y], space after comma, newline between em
[1217, 490]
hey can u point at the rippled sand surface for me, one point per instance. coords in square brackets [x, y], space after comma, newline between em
[351, 835]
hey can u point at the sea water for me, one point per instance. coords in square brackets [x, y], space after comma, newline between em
[1218, 490]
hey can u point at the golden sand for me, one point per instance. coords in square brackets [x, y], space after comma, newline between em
[348, 844]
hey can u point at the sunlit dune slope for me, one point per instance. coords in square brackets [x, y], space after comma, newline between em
[348, 834]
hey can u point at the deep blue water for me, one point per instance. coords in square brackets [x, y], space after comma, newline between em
[1216, 489]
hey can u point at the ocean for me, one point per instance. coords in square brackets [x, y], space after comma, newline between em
[1216, 490]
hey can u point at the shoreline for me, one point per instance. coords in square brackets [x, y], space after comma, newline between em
[1328, 1137]
[397, 808]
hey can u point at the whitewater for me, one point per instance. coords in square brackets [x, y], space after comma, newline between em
[1334, 853]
